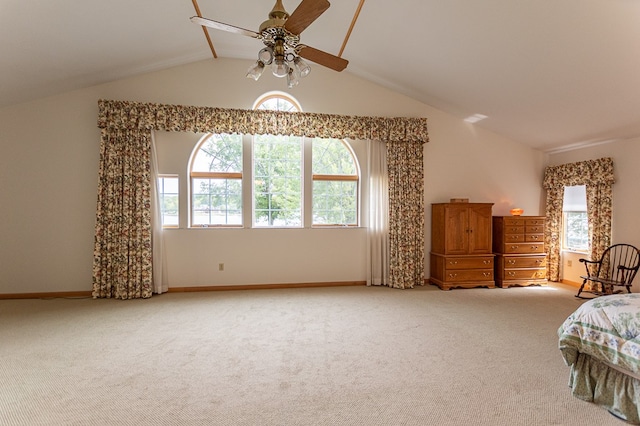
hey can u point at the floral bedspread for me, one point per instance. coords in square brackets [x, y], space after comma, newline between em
[606, 328]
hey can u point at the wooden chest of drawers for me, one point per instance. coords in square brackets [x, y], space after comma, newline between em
[518, 242]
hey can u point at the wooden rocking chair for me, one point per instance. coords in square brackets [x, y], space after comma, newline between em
[616, 268]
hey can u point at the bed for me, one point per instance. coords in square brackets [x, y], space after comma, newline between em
[600, 341]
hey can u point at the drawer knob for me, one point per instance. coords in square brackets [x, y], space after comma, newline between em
[453, 262]
[511, 262]
[511, 274]
[453, 275]
[486, 262]
[486, 274]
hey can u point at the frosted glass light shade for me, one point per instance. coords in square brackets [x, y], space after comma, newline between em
[279, 67]
[256, 70]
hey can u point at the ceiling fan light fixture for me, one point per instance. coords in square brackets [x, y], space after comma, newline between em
[256, 70]
[281, 36]
[292, 78]
[279, 67]
[303, 68]
[266, 55]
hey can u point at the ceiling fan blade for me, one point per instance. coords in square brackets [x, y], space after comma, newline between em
[306, 12]
[224, 27]
[323, 58]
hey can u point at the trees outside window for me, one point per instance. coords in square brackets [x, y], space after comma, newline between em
[335, 183]
[277, 177]
[575, 229]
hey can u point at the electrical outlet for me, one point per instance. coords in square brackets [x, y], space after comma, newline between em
[220, 266]
[569, 263]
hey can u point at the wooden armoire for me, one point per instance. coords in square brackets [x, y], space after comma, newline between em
[461, 245]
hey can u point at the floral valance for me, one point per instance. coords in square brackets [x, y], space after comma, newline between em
[598, 171]
[179, 118]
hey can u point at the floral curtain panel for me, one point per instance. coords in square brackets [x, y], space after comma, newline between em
[123, 266]
[122, 257]
[597, 176]
[406, 214]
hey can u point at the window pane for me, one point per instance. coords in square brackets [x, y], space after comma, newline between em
[216, 202]
[576, 231]
[219, 153]
[216, 198]
[277, 103]
[277, 180]
[335, 202]
[169, 205]
[332, 157]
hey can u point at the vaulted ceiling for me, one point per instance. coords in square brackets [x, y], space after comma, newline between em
[547, 73]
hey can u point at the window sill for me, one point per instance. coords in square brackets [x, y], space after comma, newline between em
[196, 228]
[575, 251]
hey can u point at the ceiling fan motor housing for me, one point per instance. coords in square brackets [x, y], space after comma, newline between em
[273, 29]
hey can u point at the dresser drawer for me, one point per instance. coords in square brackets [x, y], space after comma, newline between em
[525, 274]
[514, 229]
[468, 263]
[533, 238]
[462, 275]
[534, 222]
[514, 238]
[536, 229]
[513, 221]
[523, 262]
[524, 248]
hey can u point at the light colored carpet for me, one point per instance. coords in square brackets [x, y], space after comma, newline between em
[322, 356]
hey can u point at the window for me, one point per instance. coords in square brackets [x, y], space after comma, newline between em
[575, 229]
[289, 181]
[169, 204]
[335, 183]
[216, 181]
[277, 189]
[277, 172]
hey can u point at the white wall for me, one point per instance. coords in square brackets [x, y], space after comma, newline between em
[571, 268]
[49, 163]
[253, 256]
[624, 223]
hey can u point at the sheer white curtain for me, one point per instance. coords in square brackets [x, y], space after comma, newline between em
[160, 284]
[378, 226]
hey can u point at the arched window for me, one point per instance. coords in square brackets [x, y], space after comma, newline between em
[282, 176]
[335, 183]
[216, 181]
[277, 172]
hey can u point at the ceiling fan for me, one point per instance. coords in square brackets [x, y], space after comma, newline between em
[281, 36]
